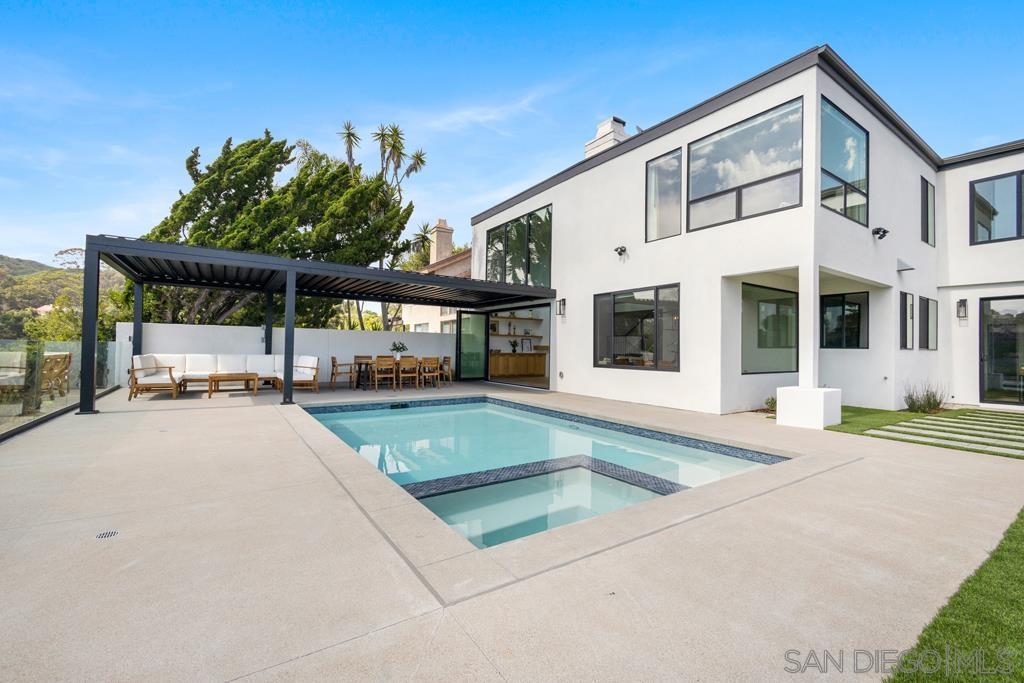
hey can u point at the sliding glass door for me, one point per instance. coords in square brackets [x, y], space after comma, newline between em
[471, 345]
[1002, 350]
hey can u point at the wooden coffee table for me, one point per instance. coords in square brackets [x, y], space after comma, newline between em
[247, 378]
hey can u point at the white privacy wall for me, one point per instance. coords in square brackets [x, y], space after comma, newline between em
[343, 344]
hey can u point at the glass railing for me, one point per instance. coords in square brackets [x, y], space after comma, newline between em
[39, 378]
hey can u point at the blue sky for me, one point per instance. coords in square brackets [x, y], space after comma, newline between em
[99, 105]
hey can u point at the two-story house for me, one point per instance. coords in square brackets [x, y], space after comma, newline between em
[791, 236]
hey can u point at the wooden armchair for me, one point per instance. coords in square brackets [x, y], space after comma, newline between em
[408, 368]
[56, 367]
[384, 368]
[447, 374]
[430, 370]
[346, 370]
[306, 373]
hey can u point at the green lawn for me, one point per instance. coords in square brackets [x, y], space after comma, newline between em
[985, 615]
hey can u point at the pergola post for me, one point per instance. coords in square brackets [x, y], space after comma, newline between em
[137, 321]
[90, 311]
[289, 335]
[268, 325]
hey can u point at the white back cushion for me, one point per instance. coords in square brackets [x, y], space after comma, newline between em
[233, 362]
[12, 359]
[261, 365]
[307, 361]
[146, 362]
[171, 360]
[279, 363]
[200, 362]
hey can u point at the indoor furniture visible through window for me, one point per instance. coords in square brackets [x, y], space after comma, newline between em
[637, 329]
[844, 321]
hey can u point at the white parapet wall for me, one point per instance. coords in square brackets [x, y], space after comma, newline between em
[342, 344]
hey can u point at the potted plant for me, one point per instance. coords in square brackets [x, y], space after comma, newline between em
[398, 348]
[514, 343]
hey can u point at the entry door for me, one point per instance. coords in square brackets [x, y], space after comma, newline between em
[1002, 350]
[471, 345]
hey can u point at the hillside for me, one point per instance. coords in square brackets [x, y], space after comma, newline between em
[22, 266]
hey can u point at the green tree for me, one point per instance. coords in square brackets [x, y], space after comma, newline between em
[327, 211]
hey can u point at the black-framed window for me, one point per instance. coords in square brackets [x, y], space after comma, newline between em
[768, 330]
[906, 320]
[844, 164]
[664, 210]
[928, 332]
[519, 252]
[927, 212]
[751, 168]
[844, 321]
[637, 329]
[996, 208]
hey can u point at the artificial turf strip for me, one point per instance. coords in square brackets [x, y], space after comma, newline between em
[985, 615]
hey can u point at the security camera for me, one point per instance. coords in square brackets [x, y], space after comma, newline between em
[620, 250]
[880, 233]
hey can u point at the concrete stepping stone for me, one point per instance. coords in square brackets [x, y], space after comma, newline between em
[966, 439]
[945, 429]
[990, 421]
[931, 441]
[951, 422]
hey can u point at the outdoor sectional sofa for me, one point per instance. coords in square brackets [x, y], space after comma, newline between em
[175, 371]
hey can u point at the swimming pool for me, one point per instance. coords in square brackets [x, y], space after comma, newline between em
[496, 470]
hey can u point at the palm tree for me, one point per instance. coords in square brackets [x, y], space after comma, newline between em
[396, 151]
[417, 160]
[421, 239]
[381, 136]
[351, 139]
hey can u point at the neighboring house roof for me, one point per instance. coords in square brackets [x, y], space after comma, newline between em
[823, 57]
[454, 259]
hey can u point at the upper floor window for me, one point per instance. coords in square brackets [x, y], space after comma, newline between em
[665, 196]
[996, 209]
[927, 212]
[519, 252]
[748, 169]
[844, 164]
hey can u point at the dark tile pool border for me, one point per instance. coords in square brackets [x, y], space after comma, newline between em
[500, 475]
[710, 446]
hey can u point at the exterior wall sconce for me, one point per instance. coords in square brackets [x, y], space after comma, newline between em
[560, 307]
[961, 309]
[620, 250]
[880, 233]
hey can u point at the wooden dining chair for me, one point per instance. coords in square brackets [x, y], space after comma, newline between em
[383, 368]
[446, 370]
[408, 368]
[430, 370]
[347, 370]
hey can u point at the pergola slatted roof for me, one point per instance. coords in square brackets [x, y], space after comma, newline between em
[160, 263]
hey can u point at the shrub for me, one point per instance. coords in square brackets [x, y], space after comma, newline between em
[924, 398]
[769, 404]
[398, 347]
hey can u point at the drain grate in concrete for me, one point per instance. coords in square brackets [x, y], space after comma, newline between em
[107, 534]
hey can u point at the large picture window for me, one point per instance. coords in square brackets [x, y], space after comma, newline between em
[927, 212]
[996, 209]
[844, 164]
[844, 321]
[637, 329]
[519, 252]
[928, 334]
[906, 320]
[748, 169]
[768, 330]
[665, 196]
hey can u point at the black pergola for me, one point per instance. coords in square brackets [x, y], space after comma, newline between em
[158, 263]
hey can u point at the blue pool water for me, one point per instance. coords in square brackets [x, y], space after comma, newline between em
[429, 442]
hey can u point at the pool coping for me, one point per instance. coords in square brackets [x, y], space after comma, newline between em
[454, 570]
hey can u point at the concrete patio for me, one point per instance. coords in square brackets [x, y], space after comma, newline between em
[253, 543]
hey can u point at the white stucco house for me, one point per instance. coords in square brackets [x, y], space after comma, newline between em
[790, 235]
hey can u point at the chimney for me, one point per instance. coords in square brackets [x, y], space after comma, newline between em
[610, 132]
[440, 241]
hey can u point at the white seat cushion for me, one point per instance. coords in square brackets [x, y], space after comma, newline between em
[159, 378]
[297, 374]
[11, 379]
[171, 360]
[230, 362]
[12, 359]
[194, 375]
[204, 363]
[261, 365]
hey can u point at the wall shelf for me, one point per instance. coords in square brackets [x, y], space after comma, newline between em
[518, 336]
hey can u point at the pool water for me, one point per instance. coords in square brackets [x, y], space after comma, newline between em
[422, 443]
[432, 443]
[489, 515]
